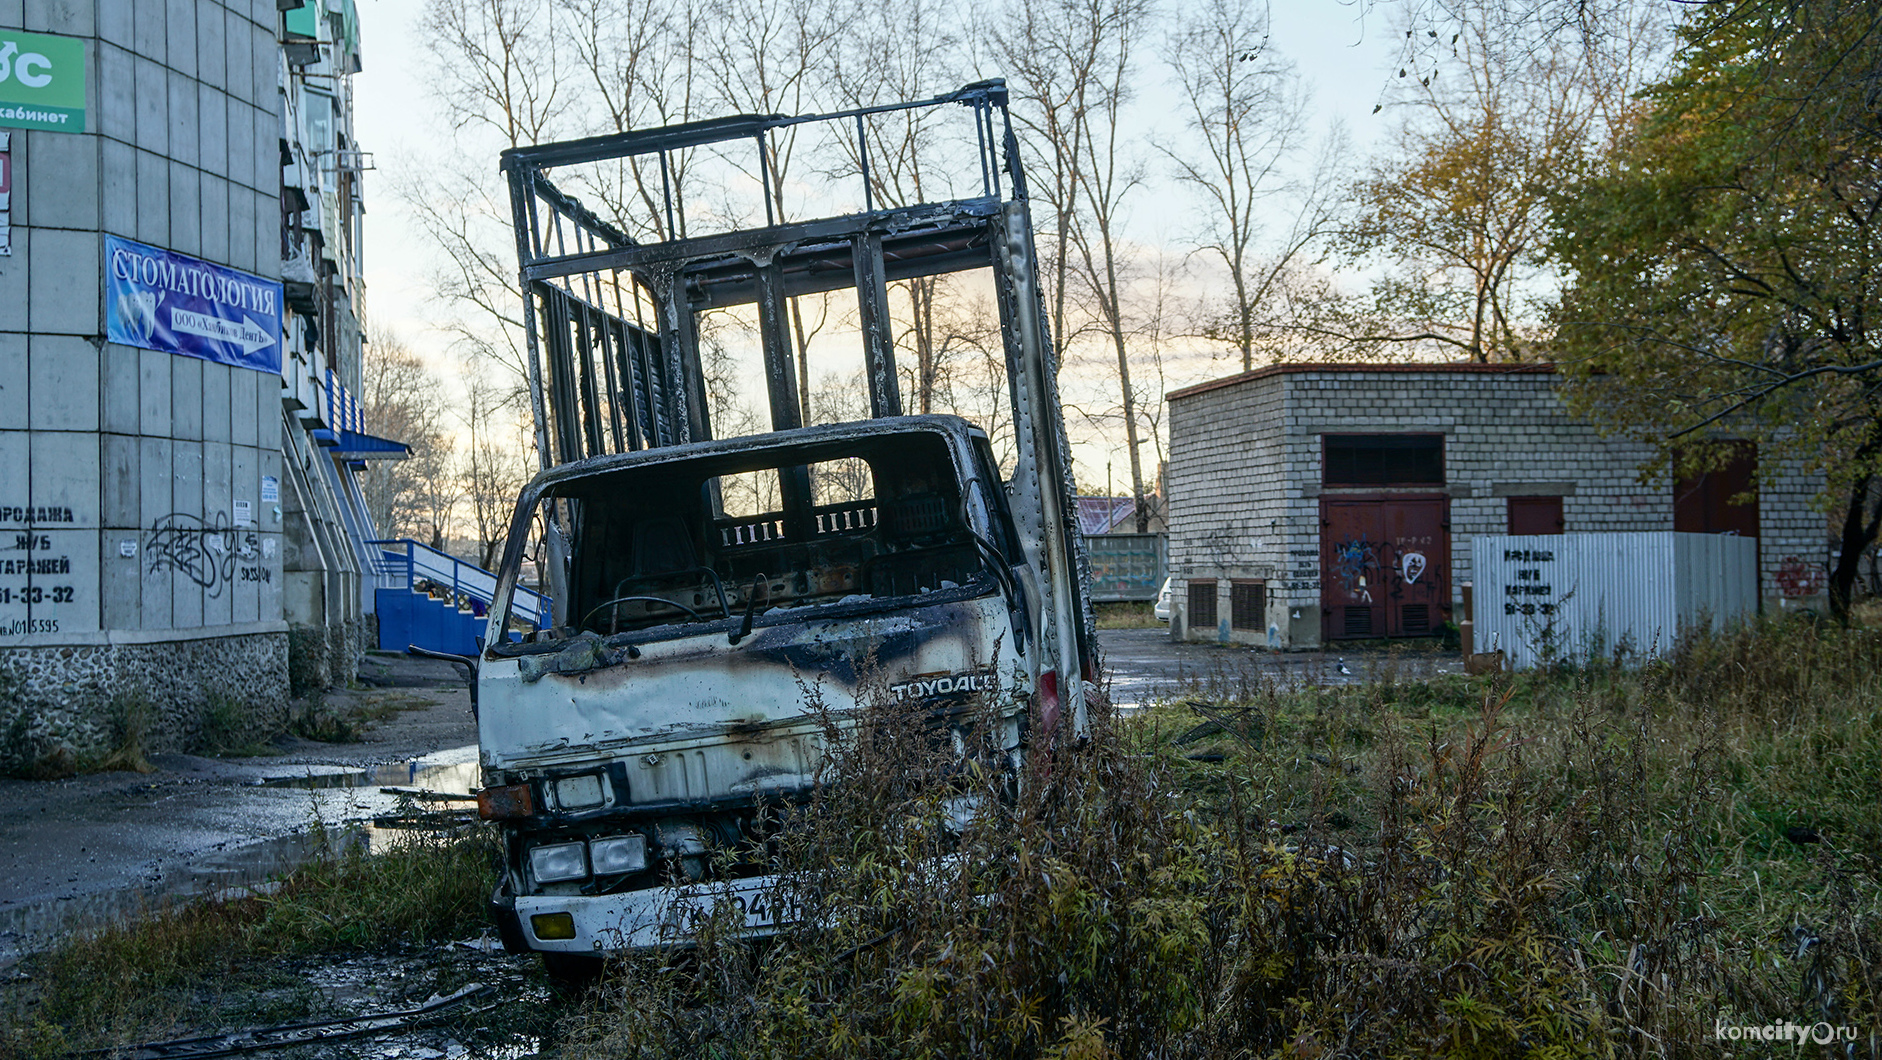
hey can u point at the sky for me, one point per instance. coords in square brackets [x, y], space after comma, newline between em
[1343, 48]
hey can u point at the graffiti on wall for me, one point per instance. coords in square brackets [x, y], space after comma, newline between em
[210, 552]
[1352, 559]
[1795, 578]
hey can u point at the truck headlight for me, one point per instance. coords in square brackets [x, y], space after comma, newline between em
[561, 861]
[617, 854]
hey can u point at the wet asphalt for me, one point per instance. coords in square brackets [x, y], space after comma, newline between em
[92, 847]
[1144, 666]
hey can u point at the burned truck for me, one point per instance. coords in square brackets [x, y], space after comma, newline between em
[707, 589]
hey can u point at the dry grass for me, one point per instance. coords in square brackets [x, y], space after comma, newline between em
[1132, 614]
[1588, 862]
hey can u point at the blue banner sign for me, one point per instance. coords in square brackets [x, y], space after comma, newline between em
[173, 303]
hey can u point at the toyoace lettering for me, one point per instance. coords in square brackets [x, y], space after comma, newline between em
[926, 687]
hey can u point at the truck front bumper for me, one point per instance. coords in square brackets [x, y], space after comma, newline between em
[655, 918]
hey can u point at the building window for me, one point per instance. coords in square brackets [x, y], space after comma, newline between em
[1202, 604]
[1248, 605]
[1535, 515]
[1383, 459]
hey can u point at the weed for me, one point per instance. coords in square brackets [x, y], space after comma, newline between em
[318, 721]
[224, 725]
[1603, 860]
[1130, 614]
[379, 705]
[27, 750]
[131, 715]
[347, 720]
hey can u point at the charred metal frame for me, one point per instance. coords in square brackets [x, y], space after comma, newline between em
[605, 380]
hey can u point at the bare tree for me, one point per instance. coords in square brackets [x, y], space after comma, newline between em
[493, 64]
[1050, 64]
[732, 415]
[893, 51]
[1076, 71]
[1247, 114]
[775, 57]
[492, 468]
[1106, 175]
[400, 400]
[641, 59]
[434, 476]
[496, 71]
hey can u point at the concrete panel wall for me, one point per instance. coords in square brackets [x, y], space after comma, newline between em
[122, 467]
[136, 550]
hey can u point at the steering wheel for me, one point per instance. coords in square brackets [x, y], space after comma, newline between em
[718, 589]
[624, 599]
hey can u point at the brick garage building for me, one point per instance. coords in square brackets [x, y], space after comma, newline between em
[1310, 504]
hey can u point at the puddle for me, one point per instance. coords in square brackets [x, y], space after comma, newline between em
[452, 772]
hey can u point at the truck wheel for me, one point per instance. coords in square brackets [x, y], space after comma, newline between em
[502, 910]
[571, 974]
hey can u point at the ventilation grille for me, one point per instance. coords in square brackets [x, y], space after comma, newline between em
[1202, 604]
[1415, 618]
[1248, 605]
[1359, 621]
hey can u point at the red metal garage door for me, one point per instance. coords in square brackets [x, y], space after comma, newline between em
[1385, 566]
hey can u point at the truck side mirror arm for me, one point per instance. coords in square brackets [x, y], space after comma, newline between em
[468, 662]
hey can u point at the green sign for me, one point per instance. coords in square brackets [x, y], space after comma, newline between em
[42, 81]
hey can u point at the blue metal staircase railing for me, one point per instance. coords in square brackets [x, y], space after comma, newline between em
[436, 601]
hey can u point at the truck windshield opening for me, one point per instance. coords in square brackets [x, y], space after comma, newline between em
[732, 538]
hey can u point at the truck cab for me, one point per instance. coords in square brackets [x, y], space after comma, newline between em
[714, 591]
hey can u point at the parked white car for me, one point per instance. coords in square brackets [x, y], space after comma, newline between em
[1162, 608]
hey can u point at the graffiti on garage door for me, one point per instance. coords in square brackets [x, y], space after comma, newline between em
[1386, 566]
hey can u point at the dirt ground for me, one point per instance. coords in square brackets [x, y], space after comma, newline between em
[1145, 664]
